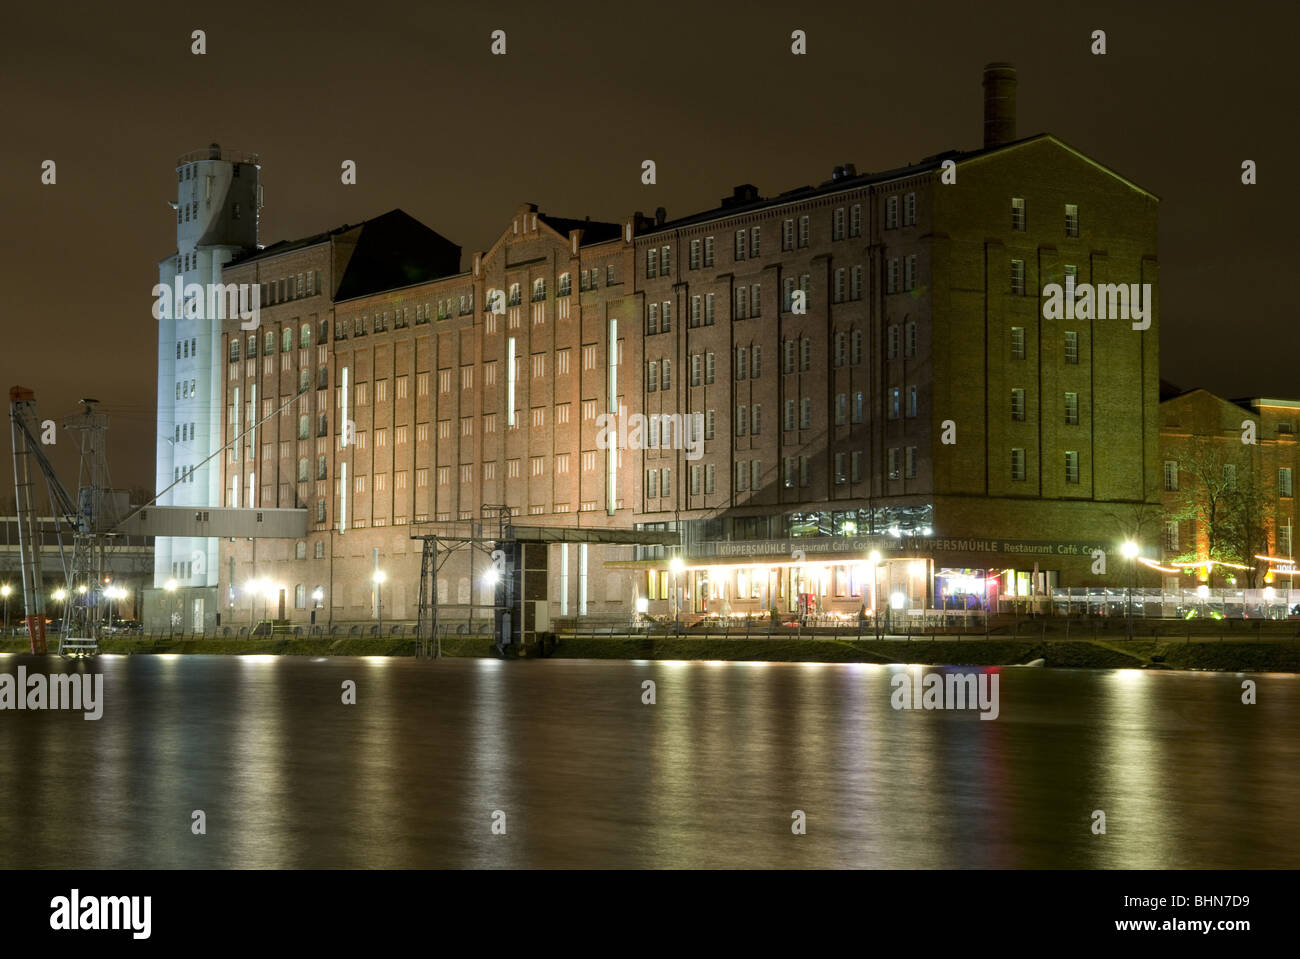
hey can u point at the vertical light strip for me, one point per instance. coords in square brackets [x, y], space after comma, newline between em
[343, 430]
[582, 579]
[564, 579]
[510, 381]
[343, 497]
[343, 466]
[611, 454]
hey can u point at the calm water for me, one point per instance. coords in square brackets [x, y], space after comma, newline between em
[588, 776]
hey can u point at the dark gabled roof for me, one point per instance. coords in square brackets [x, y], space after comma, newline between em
[593, 231]
[1168, 390]
[396, 250]
[389, 251]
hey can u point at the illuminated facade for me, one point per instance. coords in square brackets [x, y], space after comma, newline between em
[865, 360]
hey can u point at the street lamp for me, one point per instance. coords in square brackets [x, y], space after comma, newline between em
[269, 589]
[170, 587]
[1130, 550]
[378, 578]
[113, 594]
[59, 596]
[676, 565]
[317, 597]
[874, 558]
[252, 588]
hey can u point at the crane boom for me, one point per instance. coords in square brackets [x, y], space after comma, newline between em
[24, 429]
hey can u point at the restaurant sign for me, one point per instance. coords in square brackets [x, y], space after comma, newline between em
[848, 546]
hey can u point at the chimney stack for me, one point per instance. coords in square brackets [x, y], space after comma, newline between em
[999, 104]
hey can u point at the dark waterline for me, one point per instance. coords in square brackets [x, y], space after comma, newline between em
[589, 776]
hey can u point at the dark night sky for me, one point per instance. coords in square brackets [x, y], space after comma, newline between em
[710, 91]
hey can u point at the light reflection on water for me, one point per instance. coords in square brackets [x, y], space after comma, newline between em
[587, 775]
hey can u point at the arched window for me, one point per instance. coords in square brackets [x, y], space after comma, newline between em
[302, 478]
[252, 346]
[320, 551]
[324, 429]
[300, 550]
[234, 351]
[324, 331]
[270, 344]
[286, 343]
[304, 336]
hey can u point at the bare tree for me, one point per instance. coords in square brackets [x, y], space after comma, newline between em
[1139, 522]
[1221, 490]
[1247, 532]
[1205, 489]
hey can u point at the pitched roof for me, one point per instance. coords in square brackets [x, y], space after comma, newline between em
[286, 246]
[593, 231]
[733, 207]
[396, 250]
[389, 251]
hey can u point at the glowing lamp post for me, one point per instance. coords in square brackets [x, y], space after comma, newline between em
[676, 565]
[170, 588]
[60, 596]
[5, 590]
[874, 558]
[251, 589]
[1130, 550]
[378, 579]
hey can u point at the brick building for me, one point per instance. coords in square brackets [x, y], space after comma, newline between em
[1228, 487]
[871, 403]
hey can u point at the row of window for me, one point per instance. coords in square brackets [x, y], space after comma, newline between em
[795, 233]
[190, 347]
[286, 338]
[289, 288]
[1018, 465]
[908, 281]
[1284, 478]
[1071, 406]
[1071, 346]
[1020, 219]
[1017, 279]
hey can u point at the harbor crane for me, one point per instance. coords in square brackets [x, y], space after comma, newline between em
[88, 518]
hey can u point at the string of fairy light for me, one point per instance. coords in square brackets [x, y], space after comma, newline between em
[1279, 565]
